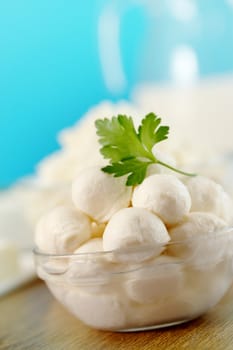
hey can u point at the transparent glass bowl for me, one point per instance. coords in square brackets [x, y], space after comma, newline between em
[134, 290]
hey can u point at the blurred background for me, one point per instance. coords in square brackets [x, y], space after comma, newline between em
[58, 58]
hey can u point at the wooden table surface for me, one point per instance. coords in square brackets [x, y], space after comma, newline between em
[31, 319]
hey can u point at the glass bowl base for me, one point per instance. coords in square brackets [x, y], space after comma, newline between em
[157, 326]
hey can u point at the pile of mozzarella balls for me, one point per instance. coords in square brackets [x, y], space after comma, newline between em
[138, 256]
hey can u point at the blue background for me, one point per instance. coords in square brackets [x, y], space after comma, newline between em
[50, 71]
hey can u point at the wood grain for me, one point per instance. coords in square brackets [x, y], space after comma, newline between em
[32, 319]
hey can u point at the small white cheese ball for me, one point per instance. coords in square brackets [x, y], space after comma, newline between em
[164, 195]
[90, 269]
[208, 196]
[172, 309]
[135, 228]
[100, 195]
[101, 311]
[62, 230]
[205, 287]
[194, 241]
[86, 262]
[161, 278]
[93, 245]
[58, 289]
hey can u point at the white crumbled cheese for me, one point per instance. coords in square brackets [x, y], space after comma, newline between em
[57, 169]
[45, 198]
[164, 195]
[134, 227]
[100, 195]
[62, 230]
[208, 196]
[80, 147]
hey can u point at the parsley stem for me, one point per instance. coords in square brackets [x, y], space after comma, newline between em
[174, 169]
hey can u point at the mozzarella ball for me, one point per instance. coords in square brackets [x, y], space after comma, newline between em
[100, 195]
[101, 311]
[90, 269]
[208, 196]
[173, 309]
[205, 287]
[62, 230]
[153, 281]
[93, 245]
[52, 266]
[164, 195]
[135, 228]
[194, 241]
[58, 289]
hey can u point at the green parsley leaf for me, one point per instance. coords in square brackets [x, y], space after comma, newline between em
[134, 167]
[149, 132]
[130, 151]
[119, 139]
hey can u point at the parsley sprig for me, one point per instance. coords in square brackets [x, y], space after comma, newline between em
[130, 151]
